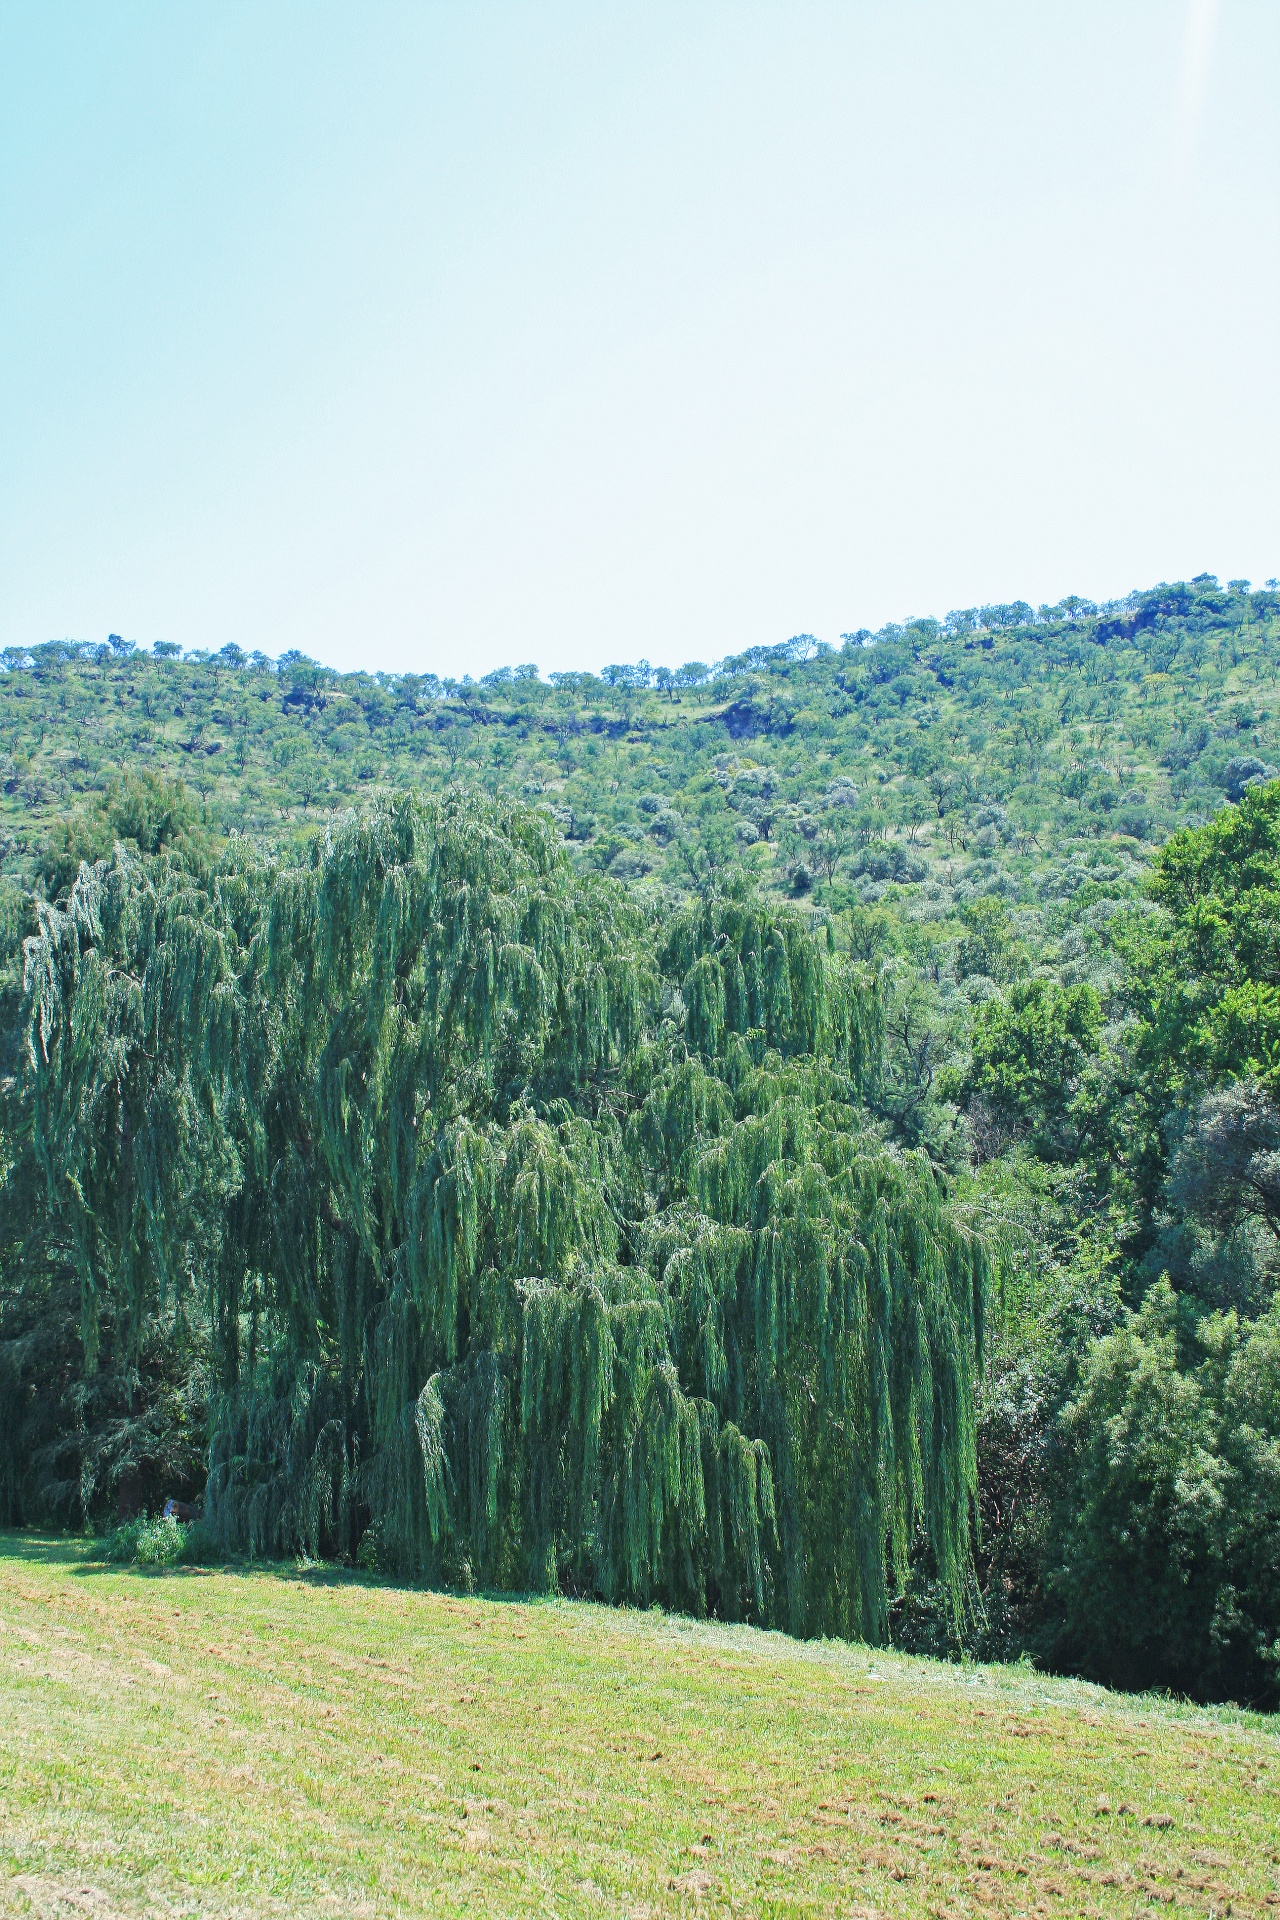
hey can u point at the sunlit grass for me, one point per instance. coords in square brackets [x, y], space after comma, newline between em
[246, 1742]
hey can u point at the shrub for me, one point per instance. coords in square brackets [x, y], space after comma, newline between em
[144, 1542]
[1170, 1551]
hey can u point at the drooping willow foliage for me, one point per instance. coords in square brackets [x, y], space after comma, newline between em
[532, 1238]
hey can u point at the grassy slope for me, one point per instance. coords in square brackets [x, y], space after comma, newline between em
[259, 1742]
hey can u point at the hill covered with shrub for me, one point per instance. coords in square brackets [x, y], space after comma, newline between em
[1045, 746]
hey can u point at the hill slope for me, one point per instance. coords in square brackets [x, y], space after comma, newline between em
[1048, 750]
[257, 1743]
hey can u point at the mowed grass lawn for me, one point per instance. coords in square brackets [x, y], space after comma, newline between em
[265, 1741]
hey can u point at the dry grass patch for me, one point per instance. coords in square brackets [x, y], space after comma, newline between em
[265, 1742]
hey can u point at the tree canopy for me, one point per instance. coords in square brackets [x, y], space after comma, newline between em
[531, 1235]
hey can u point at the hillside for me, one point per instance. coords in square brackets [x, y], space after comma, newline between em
[257, 1742]
[1049, 751]
[971, 795]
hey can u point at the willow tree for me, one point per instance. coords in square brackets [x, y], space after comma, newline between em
[539, 1241]
[125, 1133]
[139, 1042]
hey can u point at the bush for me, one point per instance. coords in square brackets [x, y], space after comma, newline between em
[1246, 770]
[1169, 1561]
[144, 1542]
[372, 1551]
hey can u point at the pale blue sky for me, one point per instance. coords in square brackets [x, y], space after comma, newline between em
[447, 336]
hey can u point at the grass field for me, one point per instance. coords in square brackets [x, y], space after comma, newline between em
[279, 1742]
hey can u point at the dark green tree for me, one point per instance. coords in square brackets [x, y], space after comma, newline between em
[526, 1244]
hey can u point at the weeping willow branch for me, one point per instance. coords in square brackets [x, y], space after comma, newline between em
[531, 1236]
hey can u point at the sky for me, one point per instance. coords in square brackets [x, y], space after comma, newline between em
[442, 337]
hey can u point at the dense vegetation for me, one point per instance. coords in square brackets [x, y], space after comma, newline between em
[797, 1140]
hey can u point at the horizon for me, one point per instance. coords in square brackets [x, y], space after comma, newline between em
[992, 618]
